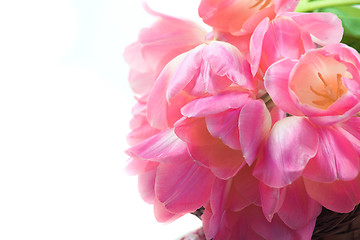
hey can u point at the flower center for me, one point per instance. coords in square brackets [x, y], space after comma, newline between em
[328, 93]
[261, 4]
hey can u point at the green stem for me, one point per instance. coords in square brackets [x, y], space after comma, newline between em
[311, 6]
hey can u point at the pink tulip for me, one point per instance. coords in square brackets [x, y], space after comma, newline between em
[239, 16]
[323, 84]
[156, 46]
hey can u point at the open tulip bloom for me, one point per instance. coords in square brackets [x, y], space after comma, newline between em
[257, 121]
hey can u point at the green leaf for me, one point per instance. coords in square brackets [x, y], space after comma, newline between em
[350, 17]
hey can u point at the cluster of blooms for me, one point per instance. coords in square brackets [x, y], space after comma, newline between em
[255, 121]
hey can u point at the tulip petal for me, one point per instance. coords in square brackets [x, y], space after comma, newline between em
[194, 131]
[225, 126]
[254, 125]
[164, 146]
[325, 27]
[291, 143]
[335, 159]
[162, 214]
[298, 203]
[223, 161]
[256, 44]
[146, 185]
[215, 104]
[339, 196]
[276, 82]
[183, 187]
[271, 200]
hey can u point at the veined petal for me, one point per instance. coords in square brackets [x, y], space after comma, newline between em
[298, 209]
[254, 125]
[290, 145]
[215, 104]
[162, 214]
[164, 146]
[183, 187]
[339, 196]
[335, 159]
[276, 82]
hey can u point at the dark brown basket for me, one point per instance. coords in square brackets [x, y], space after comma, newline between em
[337, 226]
[329, 225]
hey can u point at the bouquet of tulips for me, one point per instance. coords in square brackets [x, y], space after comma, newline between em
[256, 122]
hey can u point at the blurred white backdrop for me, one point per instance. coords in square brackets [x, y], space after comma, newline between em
[64, 112]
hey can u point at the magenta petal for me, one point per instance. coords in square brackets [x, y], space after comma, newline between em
[164, 146]
[298, 209]
[291, 143]
[277, 85]
[223, 161]
[254, 125]
[339, 196]
[225, 126]
[183, 187]
[215, 104]
[325, 27]
[276, 115]
[137, 166]
[336, 158]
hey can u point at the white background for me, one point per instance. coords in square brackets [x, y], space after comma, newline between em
[64, 112]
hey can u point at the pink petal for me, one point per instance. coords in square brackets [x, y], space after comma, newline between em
[271, 200]
[278, 230]
[298, 209]
[215, 104]
[146, 185]
[223, 161]
[157, 104]
[283, 39]
[285, 5]
[137, 166]
[225, 126]
[339, 196]
[335, 159]
[246, 185]
[185, 71]
[164, 146]
[194, 131]
[254, 125]
[183, 187]
[162, 214]
[226, 60]
[219, 194]
[277, 85]
[276, 115]
[325, 27]
[291, 143]
[256, 44]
